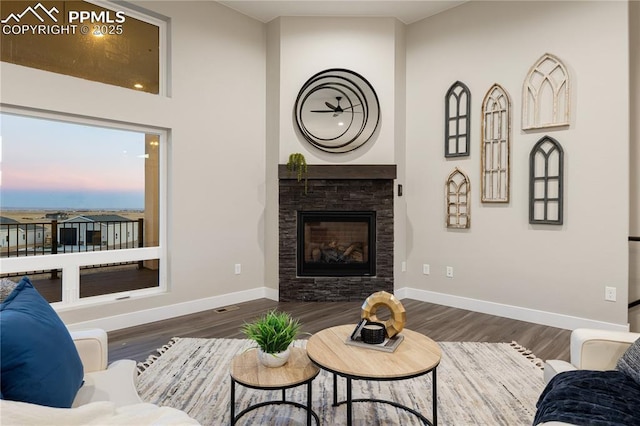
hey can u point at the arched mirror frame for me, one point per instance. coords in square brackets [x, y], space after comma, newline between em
[496, 145]
[548, 73]
[458, 200]
[546, 182]
[457, 127]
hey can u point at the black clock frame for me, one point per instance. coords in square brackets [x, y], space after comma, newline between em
[356, 91]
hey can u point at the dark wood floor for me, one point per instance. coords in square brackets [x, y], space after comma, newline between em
[441, 323]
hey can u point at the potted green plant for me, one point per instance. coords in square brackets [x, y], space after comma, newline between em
[273, 332]
[297, 163]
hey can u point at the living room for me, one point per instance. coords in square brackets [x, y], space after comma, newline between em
[227, 112]
[227, 70]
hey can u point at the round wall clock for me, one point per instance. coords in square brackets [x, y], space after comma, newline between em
[337, 110]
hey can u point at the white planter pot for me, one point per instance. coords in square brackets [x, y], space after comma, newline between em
[273, 360]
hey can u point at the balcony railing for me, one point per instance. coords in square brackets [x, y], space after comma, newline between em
[38, 238]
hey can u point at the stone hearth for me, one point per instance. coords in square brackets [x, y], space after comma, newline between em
[331, 188]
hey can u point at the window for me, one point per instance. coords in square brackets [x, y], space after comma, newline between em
[86, 190]
[98, 41]
[545, 94]
[496, 134]
[546, 182]
[458, 193]
[458, 116]
[93, 237]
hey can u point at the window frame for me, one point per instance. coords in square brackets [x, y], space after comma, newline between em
[140, 14]
[496, 172]
[163, 38]
[71, 263]
[545, 178]
[460, 116]
[532, 104]
[462, 188]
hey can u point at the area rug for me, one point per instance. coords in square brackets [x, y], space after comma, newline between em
[478, 384]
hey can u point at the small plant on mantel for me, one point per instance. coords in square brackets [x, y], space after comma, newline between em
[297, 163]
[273, 333]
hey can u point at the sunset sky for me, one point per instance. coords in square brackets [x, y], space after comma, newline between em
[53, 164]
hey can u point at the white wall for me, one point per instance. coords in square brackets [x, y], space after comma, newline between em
[550, 273]
[216, 117]
[273, 155]
[400, 143]
[364, 45]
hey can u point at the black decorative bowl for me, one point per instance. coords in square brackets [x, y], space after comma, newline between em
[373, 333]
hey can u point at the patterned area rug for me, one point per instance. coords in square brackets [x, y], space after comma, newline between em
[478, 384]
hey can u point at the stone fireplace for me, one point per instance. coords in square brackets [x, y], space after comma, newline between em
[336, 241]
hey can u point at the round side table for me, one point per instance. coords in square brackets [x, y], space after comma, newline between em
[416, 356]
[247, 370]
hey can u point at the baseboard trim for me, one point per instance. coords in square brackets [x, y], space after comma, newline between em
[146, 316]
[550, 319]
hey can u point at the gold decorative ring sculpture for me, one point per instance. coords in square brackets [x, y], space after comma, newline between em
[393, 325]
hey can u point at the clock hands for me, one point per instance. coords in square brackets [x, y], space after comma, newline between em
[336, 110]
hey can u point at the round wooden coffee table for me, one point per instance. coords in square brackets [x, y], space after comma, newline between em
[247, 370]
[415, 356]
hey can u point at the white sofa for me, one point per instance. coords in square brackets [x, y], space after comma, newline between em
[108, 395]
[590, 349]
[102, 382]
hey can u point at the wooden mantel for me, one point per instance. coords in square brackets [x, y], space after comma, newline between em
[343, 171]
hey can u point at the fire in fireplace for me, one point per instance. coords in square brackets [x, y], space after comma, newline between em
[336, 243]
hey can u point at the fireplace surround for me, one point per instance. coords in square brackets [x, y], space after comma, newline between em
[347, 190]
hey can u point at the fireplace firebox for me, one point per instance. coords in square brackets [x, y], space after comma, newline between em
[336, 243]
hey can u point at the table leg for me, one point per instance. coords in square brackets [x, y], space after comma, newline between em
[309, 399]
[284, 398]
[435, 398]
[335, 390]
[233, 400]
[349, 403]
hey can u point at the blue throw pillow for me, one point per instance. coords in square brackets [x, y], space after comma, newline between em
[40, 362]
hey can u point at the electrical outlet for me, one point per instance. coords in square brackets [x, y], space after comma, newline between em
[426, 269]
[449, 271]
[404, 266]
[610, 294]
[238, 268]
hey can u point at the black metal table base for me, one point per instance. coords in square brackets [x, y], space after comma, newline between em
[349, 401]
[310, 413]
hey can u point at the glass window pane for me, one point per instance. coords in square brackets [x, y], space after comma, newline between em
[48, 283]
[69, 187]
[98, 280]
[115, 48]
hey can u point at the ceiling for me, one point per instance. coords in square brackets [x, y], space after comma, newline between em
[406, 11]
